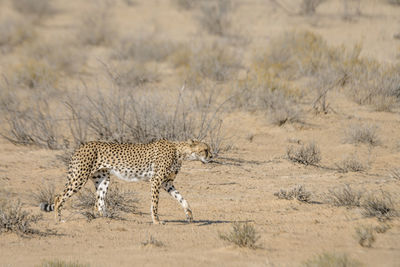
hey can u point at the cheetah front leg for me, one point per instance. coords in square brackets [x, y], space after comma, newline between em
[155, 195]
[169, 187]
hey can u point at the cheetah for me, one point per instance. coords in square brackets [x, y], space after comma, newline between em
[158, 162]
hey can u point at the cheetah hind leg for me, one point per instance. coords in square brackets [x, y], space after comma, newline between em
[169, 187]
[155, 195]
[101, 180]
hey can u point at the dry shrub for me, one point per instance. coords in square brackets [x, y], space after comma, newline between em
[394, 2]
[216, 62]
[144, 48]
[362, 133]
[14, 219]
[376, 84]
[331, 260]
[216, 16]
[309, 154]
[382, 228]
[308, 7]
[152, 242]
[14, 31]
[117, 200]
[345, 196]
[298, 192]
[61, 263]
[242, 235]
[122, 116]
[185, 4]
[351, 164]
[130, 74]
[44, 194]
[32, 73]
[33, 125]
[36, 9]
[60, 55]
[379, 206]
[96, 27]
[365, 236]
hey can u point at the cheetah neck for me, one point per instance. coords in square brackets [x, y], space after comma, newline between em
[183, 150]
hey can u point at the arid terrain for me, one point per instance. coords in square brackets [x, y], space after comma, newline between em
[299, 101]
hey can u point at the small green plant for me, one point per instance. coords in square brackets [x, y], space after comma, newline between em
[152, 242]
[242, 235]
[298, 192]
[345, 196]
[332, 260]
[61, 263]
[365, 236]
[305, 154]
[380, 206]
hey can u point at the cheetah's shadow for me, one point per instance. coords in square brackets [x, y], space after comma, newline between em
[204, 222]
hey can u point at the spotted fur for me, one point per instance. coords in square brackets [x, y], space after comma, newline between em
[158, 162]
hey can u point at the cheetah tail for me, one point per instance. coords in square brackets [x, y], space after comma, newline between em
[46, 207]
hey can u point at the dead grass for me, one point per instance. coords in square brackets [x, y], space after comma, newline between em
[309, 154]
[242, 235]
[14, 31]
[96, 27]
[36, 9]
[345, 196]
[395, 174]
[44, 194]
[14, 219]
[330, 260]
[351, 164]
[185, 4]
[380, 206]
[365, 236]
[362, 133]
[152, 242]
[117, 200]
[61, 263]
[308, 7]
[34, 74]
[298, 192]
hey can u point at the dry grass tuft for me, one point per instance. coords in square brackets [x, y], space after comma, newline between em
[61, 263]
[362, 134]
[308, 7]
[365, 236]
[330, 260]
[379, 206]
[13, 32]
[34, 74]
[345, 196]
[309, 154]
[152, 242]
[395, 174]
[298, 192]
[117, 201]
[37, 9]
[242, 235]
[351, 164]
[14, 219]
[44, 194]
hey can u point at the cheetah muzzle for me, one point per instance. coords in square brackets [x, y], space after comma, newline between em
[158, 162]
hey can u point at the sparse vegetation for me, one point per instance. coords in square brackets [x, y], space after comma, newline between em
[345, 196]
[14, 219]
[37, 9]
[215, 16]
[152, 242]
[330, 260]
[61, 263]
[365, 236]
[44, 194]
[185, 4]
[308, 7]
[380, 206]
[117, 201]
[242, 235]
[362, 133]
[395, 174]
[351, 164]
[297, 192]
[13, 32]
[305, 154]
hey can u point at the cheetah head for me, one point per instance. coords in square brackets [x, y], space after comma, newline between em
[198, 151]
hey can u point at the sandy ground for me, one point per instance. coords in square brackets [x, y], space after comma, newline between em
[290, 231]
